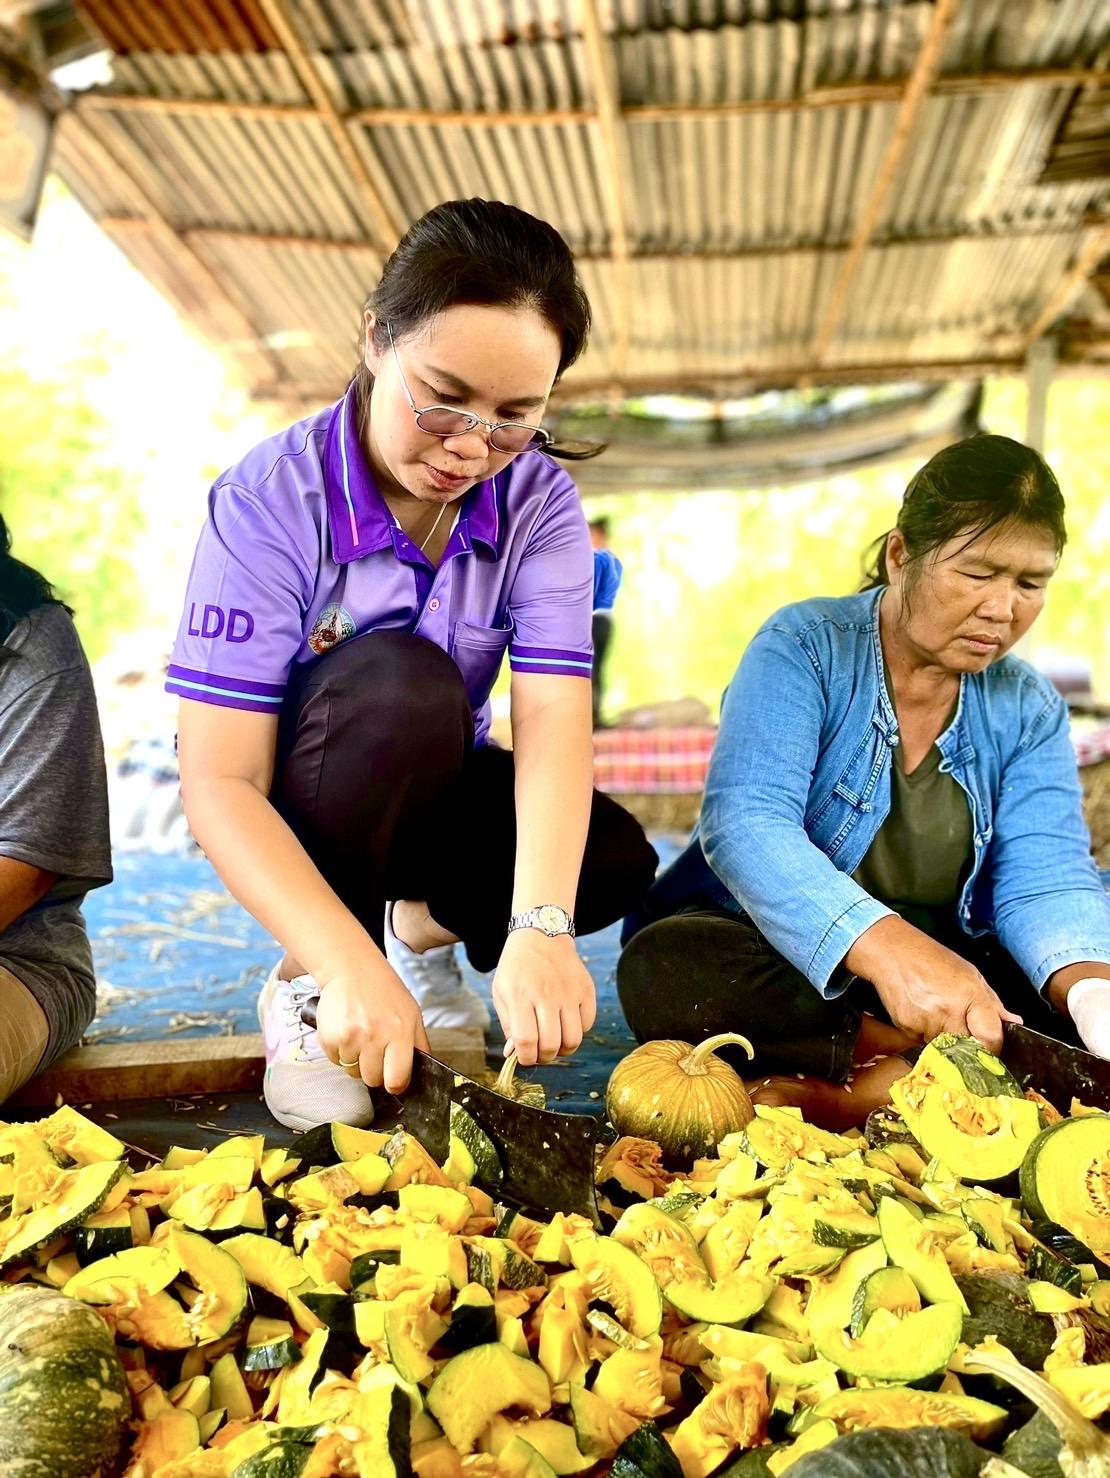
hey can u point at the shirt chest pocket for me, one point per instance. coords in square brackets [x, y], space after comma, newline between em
[850, 796]
[478, 652]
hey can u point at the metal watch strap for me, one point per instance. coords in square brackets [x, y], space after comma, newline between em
[530, 919]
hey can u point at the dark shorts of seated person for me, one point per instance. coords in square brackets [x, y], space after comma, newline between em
[703, 970]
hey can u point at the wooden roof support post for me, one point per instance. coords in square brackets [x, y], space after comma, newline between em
[1040, 366]
[243, 338]
[385, 228]
[917, 88]
[602, 70]
[1090, 255]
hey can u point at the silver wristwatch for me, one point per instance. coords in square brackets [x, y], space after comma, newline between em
[549, 918]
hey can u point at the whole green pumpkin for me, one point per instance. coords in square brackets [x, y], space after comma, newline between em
[64, 1399]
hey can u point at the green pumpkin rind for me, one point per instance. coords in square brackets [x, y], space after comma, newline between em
[101, 1234]
[913, 1452]
[282, 1459]
[64, 1399]
[1051, 1154]
[645, 1454]
[1050, 1267]
[79, 1193]
[980, 1071]
[998, 1306]
[478, 1145]
[1034, 1449]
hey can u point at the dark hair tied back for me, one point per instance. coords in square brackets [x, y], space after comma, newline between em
[481, 252]
[969, 488]
[21, 587]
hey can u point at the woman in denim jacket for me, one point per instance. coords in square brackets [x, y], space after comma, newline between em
[891, 843]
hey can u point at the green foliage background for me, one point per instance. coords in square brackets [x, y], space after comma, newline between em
[74, 513]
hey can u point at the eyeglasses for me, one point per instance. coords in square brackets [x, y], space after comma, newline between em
[512, 437]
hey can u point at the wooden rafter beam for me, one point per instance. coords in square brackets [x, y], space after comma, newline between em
[861, 94]
[783, 377]
[601, 68]
[277, 16]
[195, 107]
[229, 319]
[746, 380]
[771, 251]
[846, 95]
[1088, 258]
[920, 80]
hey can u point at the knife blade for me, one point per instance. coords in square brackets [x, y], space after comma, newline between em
[547, 1157]
[1056, 1069]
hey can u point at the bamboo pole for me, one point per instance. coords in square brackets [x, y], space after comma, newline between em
[601, 66]
[775, 251]
[847, 95]
[279, 19]
[241, 334]
[1087, 260]
[921, 79]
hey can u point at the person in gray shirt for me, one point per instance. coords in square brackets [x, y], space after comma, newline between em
[54, 842]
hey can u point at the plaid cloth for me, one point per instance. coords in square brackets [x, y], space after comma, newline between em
[652, 761]
[675, 761]
[1091, 744]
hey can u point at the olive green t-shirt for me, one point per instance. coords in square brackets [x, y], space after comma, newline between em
[917, 861]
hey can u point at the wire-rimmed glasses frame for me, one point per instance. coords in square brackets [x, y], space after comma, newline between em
[446, 420]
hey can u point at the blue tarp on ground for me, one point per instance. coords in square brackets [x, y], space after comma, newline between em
[175, 955]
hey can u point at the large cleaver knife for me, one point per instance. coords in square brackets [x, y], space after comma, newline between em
[1057, 1070]
[547, 1158]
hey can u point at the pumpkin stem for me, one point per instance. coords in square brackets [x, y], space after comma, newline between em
[694, 1062]
[1086, 1450]
[505, 1077]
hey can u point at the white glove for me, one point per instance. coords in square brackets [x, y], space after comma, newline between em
[1089, 1008]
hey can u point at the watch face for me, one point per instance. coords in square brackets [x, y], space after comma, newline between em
[551, 918]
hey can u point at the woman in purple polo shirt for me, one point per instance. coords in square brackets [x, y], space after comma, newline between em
[354, 591]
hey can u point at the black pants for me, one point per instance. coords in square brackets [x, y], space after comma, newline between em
[705, 971]
[378, 777]
[601, 632]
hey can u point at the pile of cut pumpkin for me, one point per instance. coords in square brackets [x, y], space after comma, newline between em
[929, 1297]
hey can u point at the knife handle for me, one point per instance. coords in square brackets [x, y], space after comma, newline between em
[308, 1014]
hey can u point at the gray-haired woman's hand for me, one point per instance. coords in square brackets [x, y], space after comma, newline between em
[926, 988]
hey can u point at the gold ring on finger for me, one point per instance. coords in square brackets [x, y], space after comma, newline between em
[348, 1065]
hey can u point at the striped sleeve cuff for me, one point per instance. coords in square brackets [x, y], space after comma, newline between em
[556, 661]
[227, 692]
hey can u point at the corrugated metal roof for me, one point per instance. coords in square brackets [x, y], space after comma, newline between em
[738, 210]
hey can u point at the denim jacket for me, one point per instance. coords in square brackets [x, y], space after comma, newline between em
[799, 785]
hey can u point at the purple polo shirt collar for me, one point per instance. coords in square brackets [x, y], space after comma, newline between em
[358, 518]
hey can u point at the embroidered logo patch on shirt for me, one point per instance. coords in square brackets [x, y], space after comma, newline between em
[331, 626]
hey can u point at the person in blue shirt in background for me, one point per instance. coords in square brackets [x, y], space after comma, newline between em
[607, 579]
[891, 843]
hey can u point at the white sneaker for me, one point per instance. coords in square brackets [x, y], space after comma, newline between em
[435, 980]
[302, 1086]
